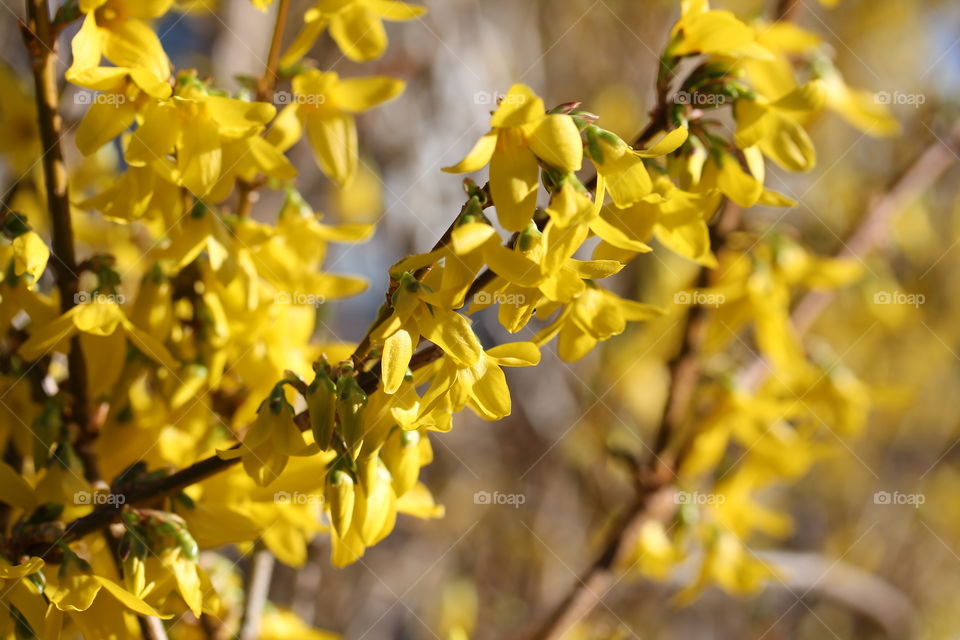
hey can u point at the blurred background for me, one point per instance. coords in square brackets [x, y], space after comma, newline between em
[556, 463]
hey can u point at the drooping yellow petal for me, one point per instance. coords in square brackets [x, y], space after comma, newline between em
[359, 94]
[333, 139]
[395, 10]
[30, 255]
[16, 491]
[478, 157]
[156, 137]
[87, 47]
[514, 176]
[626, 178]
[569, 206]
[129, 600]
[669, 143]
[737, 184]
[104, 121]
[199, 155]
[132, 43]
[359, 32]
[452, 333]
[515, 354]
[397, 351]
[313, 26]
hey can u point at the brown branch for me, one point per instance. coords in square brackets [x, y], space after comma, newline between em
[266, 85]
[268, 81]
[257, 589]
[787, 10]
[40, 38]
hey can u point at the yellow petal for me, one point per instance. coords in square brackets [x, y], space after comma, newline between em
[626, 178]
[30, 255]
[569, 206]
[16, 491]
[47, 337]
[359, 94]
[132, 43]
[737, 184]
[333, 139]
[129, 600]
[519, 107]
[87, 47]
[478, 157]
[452, 333]
[359, 32]
[514, 175]
[396, 11]
[469, 237]
[556, 141]
[397, 351]
[305, 40]
[199, 156]
[513, 265]
[669, 143]
[104, 121]
[515, 354]
[156, 137]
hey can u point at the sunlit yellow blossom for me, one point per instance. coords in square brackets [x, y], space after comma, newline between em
[522, 135]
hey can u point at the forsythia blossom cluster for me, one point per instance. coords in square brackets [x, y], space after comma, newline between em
[194, 337]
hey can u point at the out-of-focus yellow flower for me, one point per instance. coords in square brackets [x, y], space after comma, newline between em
[30, 255]
[702, 31]
[775, 127]
[325, 104]
[194, 126]
[355, 25]
[99, 317]
[127, 39]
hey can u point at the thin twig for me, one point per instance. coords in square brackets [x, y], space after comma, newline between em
[266, 85]
[257, 589]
